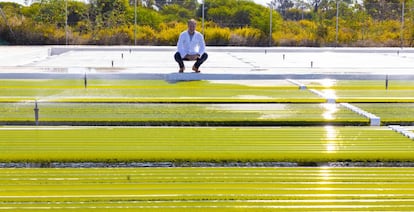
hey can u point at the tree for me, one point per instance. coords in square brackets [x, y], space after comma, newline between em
[282, 6]
[315, 5]
[175, 12]
[77, 11]
[50, 12]
[221, 15]
[109, 13]
[383, 9]
[6, 31]
[238, 13]
[188, 4]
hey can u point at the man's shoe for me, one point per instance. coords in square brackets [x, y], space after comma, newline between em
[196, 69]
[181, 70]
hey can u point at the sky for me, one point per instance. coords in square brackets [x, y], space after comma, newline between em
[262, 2]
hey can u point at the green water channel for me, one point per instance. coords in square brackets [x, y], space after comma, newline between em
[181, 114]
[219, 144]
[149, 90]
[208, 189]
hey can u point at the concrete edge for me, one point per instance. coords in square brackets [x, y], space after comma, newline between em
[56, 50]
[197, 76]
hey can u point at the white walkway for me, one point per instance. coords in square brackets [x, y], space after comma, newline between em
[222, 60]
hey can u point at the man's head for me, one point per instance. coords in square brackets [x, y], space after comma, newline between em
[192, 26]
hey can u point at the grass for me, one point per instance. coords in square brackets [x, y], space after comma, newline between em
[396, 96]
[147, 91]
[208, 189]
[393, 113]
[359, 84]
[367, 91]
[291, 144]
[201, 114]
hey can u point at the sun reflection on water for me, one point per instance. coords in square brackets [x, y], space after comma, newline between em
[331, 134]
[330, 110]
[327, 83]
[325, 176]
[324, 173]
[330, 93]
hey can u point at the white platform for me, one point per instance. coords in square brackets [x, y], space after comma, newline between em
[222, 60]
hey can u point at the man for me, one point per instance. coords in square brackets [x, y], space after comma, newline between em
[191, 46]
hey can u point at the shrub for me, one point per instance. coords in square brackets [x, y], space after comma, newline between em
[117, 36]
[145, 35]
[302, 33]
[79, 39]
[217, 36]
[170, 32]
[246, 36]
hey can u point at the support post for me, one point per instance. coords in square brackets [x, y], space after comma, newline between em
[85, 80]
[36, 113]
[386, 82]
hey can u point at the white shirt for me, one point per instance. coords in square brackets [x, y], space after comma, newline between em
[187, 45]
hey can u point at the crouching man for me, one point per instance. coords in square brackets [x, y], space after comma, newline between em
[191, 47]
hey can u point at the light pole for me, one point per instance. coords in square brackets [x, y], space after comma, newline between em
[270, 23]
[202, 17]
[66, 22]
[337, 23]
[7, 23]
[402, 24]
[135, 22]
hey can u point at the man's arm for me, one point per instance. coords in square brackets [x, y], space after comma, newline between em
[202, 45]
[180, 45]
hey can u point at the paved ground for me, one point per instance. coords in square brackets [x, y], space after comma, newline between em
[223, 62]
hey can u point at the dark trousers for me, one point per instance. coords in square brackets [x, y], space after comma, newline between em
[197, 64]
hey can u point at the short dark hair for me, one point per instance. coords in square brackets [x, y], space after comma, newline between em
[192, 21]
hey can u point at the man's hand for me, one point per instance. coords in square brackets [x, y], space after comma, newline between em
[192, 57]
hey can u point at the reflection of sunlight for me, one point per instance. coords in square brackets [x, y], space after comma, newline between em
[330, 147]
[329, 93]
[330, 110]
[331, 134]
[325, 175]
[327, 83]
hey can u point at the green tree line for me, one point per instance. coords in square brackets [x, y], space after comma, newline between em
[226, 22]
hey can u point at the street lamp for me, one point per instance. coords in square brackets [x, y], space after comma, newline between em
[337, 23]
[402, 24]
[202, 17]
[270, 23]
[66, 22]
[135, 22]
